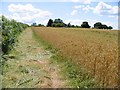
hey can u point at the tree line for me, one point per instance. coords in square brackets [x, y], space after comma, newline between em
[59, 23]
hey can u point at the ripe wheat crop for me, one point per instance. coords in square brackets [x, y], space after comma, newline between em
[95, 50]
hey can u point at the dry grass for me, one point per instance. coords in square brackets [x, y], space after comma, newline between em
[94, 50]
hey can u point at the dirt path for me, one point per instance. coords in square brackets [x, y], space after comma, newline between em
[32, 67]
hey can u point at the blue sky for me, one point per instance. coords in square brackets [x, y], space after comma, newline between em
[73, 11]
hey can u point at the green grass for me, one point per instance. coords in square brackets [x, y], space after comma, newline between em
[75, 77]
[46, 45]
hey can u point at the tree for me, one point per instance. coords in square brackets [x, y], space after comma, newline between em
[110, 27]
[69, 25]
[40, 25]
[34, 24]
[104, 26]
[98, 25]
[58, 25]
[85, 25]
[50, 22]
[58, 21]
[77, 26]
[72, 25]
[65, 25]
[54, 25]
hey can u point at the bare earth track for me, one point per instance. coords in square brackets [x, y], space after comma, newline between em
[33, 68]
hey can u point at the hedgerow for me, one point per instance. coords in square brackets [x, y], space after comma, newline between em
[9, 30]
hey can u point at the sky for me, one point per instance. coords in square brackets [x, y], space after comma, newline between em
[70, 11]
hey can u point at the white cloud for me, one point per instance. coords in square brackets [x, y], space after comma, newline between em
[87, 8]
[74, 12]
[73, 22]
[79, 6]
[113, 10]
[44, 22]
[0, 14]
[81, 1]
[111, 16]
[102, 8]
[105, 9]
[86, 1]
[27, 13]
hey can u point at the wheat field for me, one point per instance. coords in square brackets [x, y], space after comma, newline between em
[92, 49]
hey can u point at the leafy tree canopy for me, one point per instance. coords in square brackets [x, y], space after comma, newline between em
[85, 25]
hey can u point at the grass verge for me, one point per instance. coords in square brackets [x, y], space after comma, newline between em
[75, 77]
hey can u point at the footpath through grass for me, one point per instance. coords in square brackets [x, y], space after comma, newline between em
[28, 66]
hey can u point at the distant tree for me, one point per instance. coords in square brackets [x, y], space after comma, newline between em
[54, 25]
[110, 27]
[58, 25]
[65, 25]
[77, 26]
[72, 25]
[58, 21]
[85, 25]
[98, 25]
[50, 22]
[40, 25]
[69, 25]
[34, 24]
[104, 26]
